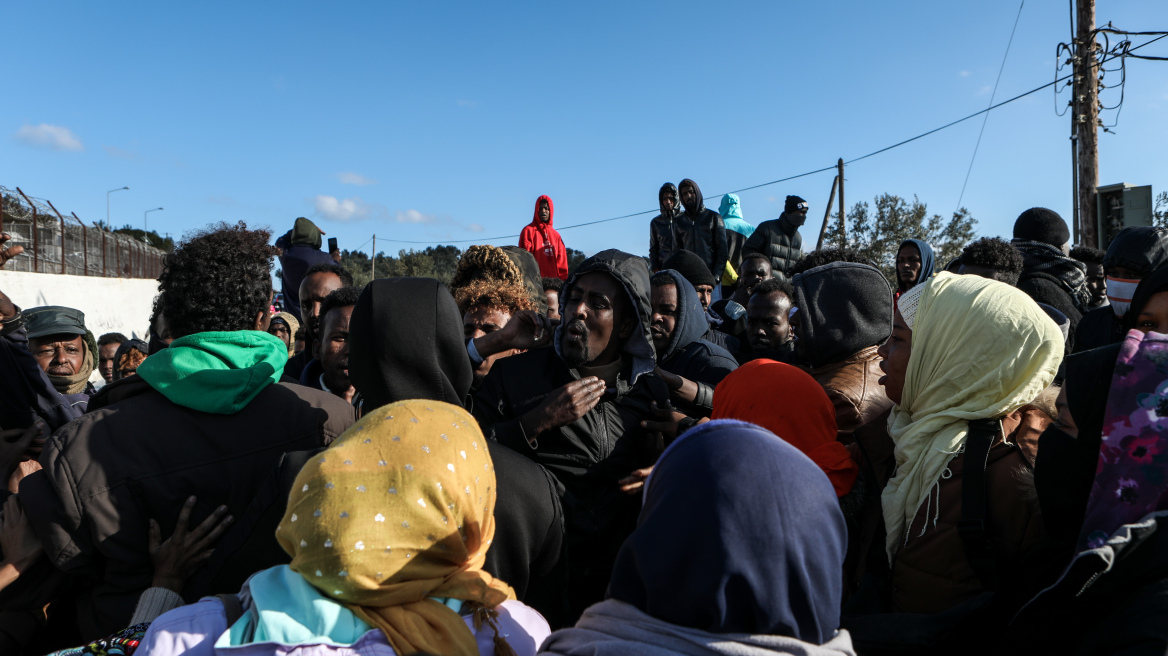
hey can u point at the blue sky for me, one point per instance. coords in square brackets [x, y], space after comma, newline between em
[437, 122]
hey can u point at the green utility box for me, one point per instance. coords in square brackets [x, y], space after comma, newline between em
[1118, 206]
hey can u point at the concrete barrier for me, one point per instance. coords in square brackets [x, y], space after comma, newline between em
[117, 305]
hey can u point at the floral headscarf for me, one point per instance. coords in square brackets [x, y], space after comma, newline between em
[396, 514]
[1132, 476]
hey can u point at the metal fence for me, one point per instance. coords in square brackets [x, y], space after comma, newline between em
[56, 243]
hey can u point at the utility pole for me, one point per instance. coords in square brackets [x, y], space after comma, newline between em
[843, 208]
[373, 261]
[1085, 117]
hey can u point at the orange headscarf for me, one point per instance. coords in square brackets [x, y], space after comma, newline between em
[398, 510]
[790, 404]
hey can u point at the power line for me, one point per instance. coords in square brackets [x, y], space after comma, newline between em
[1020, 96]
[985, 119]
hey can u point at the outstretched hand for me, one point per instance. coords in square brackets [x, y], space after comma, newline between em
[10, 252]
[525, 331]
[564, 405]
[184, 551]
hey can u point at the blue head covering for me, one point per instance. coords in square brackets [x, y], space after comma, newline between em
[927, 268]
[731, 211]
[739, 533]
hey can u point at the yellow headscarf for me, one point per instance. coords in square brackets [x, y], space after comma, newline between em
[980, 349]
[400, 509]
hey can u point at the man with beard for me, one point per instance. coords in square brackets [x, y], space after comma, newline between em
[663, 227]
[914, 264]
[768, 323]
[700, 230]
[65, 350]
[577, 409]
[329, 369]
[320, 281]
[779, 239]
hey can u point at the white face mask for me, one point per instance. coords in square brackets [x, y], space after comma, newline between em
[1120, 292]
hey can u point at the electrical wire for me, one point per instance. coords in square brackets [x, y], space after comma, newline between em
[481, 240]
[985, 119]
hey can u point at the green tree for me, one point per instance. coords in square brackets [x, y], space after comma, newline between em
[1160, 211]
[878, 234]
[153, 238]
[575, 257]
[437, 262]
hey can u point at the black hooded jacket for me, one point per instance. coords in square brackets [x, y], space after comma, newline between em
[701, 231]
[663, 229]
[1141, 249]
[779, 240]
[689, 355]
[844, 308]
[590, 455]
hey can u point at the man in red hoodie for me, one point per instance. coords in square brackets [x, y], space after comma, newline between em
[541, 240]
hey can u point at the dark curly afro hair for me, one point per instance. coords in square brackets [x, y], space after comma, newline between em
[997, 254]
[216, 280]
[774, 285]
[1088, 255]
[827, 256]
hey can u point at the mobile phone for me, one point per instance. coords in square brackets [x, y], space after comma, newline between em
[332, 244]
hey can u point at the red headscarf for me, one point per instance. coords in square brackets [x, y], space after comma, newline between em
[789, 403]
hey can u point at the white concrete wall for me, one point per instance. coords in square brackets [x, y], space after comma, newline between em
[118, 305]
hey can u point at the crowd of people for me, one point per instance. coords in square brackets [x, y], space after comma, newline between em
[732, 446]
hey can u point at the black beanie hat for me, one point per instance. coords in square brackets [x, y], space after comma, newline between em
[1041, 224]
[792, 203]
[691, 267]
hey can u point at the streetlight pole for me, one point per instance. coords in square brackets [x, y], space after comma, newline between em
[107, 219]
[144, 230]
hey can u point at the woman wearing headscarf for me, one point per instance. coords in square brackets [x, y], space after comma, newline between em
[738, 550]
[284, 326]
[965, 353]
[385, 559]
[1103, 473]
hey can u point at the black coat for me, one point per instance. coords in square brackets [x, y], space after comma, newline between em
[1099, 327]
[704, 236]
[1045, 288]
[662, 240]
[779, 240]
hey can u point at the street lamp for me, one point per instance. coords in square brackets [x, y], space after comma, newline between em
[156, 209]
[107, 223]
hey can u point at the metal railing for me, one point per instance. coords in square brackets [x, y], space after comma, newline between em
[62, 244]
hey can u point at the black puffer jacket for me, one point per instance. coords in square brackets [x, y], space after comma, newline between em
[778, 239]
[701, 230]
[663, 229]
[590, 455]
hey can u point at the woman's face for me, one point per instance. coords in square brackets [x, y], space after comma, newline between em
[1154, 317]
[895, 353]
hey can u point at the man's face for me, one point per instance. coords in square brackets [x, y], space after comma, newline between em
[664, 318]
[59, 355]
[553, 301]
[667, 201]
[280, 329]
[332, 349]
[1096, 283]
[895, 353]
[106, 360]
[478, 321]
[598, 318]
[312, 292]
[705, 294]
[545, 212]
[754, 271]
[689, 197]
[908, 266]
[767, 325]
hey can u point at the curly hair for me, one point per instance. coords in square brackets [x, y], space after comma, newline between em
[553, 285]
[130, 360]
[776, 285]
[342, 273]
[1088, 255]
[494, 295]
[997, 254]
[111, 338]
[827, 256]
[485, 262]
[216, 280]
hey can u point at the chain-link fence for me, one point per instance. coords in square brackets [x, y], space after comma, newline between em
[56, 243]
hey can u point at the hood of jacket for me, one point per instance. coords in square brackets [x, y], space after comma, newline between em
[928, 267]
[306, 232]
[696, 211]
[691, 318]
[405, 342]
[1139, 248]
[216, 372]
[844, 308]
[551, 213]
[669, 189]
[632, 273]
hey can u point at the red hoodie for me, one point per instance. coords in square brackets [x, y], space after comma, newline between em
[541, 240]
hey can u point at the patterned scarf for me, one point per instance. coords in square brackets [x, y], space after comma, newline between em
[1040, 257]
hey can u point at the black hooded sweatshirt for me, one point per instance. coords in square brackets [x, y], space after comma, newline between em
[1141, 249]
[689, 355]
[590, 455]
[663, 228]
[844, 308]
[701, 230]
